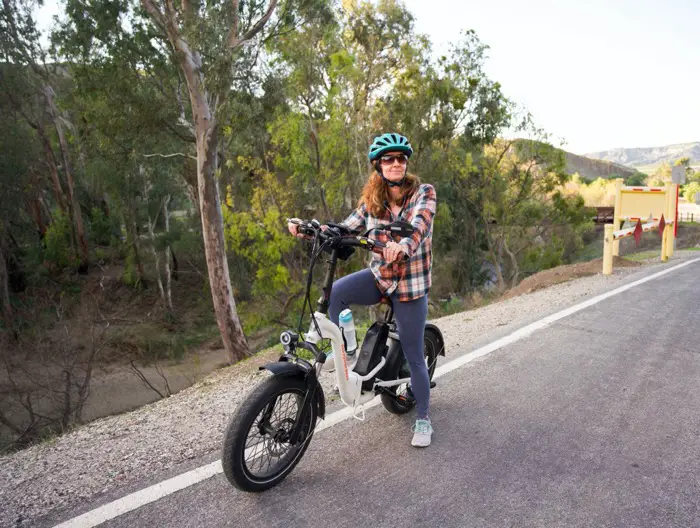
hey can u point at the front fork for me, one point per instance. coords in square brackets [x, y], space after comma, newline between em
[291, 365]
[313, 392]
[265, 426]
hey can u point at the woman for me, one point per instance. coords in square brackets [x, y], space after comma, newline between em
[403, 272]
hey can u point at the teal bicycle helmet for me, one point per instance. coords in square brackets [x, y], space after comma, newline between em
[390, 142]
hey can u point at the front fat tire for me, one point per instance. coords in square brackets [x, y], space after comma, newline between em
[233, 451]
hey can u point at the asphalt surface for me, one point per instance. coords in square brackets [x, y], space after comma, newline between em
[592, 421]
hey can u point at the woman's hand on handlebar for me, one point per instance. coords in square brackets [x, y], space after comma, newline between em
[294, 229]
[393, 251]
[293, 226]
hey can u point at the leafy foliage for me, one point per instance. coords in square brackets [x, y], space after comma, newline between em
[298, 111]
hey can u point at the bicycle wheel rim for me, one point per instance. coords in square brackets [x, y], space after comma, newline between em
[266, 456]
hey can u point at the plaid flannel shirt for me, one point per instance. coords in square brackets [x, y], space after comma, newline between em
[409, 277]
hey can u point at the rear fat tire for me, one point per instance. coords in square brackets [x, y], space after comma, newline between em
[233, 455]
[431, 345]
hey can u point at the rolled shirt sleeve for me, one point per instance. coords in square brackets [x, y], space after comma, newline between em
[357, 220]
[422, 220]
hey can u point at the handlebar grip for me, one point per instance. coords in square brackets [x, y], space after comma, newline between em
[378, 247]
[304, 230]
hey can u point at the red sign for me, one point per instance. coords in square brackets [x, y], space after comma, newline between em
[638, 233]
[662, 225]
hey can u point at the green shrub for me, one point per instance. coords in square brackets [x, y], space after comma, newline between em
[131, 275]
[57, 242]
[102, 228]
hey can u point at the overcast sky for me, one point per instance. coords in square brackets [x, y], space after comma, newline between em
[599, 74]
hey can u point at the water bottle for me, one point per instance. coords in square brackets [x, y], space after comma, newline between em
[348, 326]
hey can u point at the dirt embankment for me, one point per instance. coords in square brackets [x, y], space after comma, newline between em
[553, 276]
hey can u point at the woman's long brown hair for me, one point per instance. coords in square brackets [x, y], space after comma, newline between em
[376, 192]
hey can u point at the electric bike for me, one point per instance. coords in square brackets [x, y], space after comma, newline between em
[272, 428]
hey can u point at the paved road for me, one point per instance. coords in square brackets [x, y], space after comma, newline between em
[593, 421]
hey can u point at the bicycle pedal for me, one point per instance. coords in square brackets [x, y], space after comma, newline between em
[408, 397]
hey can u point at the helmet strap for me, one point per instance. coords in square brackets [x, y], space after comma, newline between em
[378, 168]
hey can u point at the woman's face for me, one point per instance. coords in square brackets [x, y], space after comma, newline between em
[393, 165]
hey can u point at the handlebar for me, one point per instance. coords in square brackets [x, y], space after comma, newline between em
[334, 231]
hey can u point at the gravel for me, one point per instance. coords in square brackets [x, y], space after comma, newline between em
[122, 450]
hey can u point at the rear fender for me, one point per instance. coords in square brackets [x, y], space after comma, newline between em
[438, 335]
[395, 358]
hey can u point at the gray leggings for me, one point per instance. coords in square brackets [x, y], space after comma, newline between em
[361, 288]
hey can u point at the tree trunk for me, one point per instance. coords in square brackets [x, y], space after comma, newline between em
[204, 106]
[152, 234]
[497, 269]
[207, 139]
[189, 174]
[45, 210]
[213, 233]
[4, 289]
[317, 151]
[53, 169]
[132, 241]
[75, 204]
[57, 188]
[494, 258]
[104, 203]
[168, 276]
[37, 215]
[515, 275]
[176, 267]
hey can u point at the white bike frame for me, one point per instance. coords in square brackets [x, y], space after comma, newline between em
[349, 382]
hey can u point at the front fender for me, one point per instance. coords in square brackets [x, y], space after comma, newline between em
[286, 368]
[304, 372]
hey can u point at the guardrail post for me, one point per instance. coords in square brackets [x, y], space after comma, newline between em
[608, 249]
[671, 217]
[616, 217]
[664, 244]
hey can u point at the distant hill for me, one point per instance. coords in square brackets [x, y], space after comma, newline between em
[590, 169]
[651, 156]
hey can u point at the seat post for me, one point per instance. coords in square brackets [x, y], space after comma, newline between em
[389, 314]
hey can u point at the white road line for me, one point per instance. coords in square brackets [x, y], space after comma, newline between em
[167, 487]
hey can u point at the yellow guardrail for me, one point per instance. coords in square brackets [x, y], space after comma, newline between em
[657, 205]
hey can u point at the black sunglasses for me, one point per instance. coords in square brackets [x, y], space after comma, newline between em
[389, 160]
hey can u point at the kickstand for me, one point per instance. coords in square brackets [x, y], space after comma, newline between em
[356, 416]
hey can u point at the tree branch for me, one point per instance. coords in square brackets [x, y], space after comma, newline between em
[189, 138]
[156, 14]
[170, 155]
[234, 41]
[144, 379]
[168, 392]
[234, 24]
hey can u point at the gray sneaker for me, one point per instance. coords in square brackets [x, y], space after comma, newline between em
[422, 432]
[329, 365]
